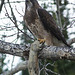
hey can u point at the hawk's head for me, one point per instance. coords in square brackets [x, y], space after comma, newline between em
[30, 3]
[33, 2]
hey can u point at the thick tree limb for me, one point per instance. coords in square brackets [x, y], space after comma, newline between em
[33, 64]
[51, 52]
[20, 66]
[13, 49]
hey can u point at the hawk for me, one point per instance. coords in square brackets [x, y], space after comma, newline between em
[42, 24]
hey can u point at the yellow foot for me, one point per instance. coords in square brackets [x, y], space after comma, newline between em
[42, 40]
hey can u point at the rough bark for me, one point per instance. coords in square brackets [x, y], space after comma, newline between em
[33, 64]
[49, 52]
[53, 52]
[14, 49]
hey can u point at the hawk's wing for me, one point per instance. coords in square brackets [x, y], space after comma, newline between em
[50, 25]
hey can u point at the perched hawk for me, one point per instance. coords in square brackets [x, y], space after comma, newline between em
[42, 24]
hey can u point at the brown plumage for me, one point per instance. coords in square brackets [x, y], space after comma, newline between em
[42, 24]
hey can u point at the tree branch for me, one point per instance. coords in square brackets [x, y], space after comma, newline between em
[49, 52]
[1, 5]
[20, 66]
[53, 52]
[14, 49]
[33, 63]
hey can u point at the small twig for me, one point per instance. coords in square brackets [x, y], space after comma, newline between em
[69, 26]
[16, 24]
[49, 64]
[58, 13]
[18, 11]
[9, 35]
[7, 14]
[52, 72]
[15, 2]
[14, 18]
[6, 27]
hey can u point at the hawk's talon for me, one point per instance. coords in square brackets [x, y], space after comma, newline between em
[42, 40]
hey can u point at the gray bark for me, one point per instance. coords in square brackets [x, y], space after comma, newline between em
[33, 64]
[49, 52]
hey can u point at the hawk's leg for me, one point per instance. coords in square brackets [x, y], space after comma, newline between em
[42, 40]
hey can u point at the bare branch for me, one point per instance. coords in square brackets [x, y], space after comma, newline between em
[7, 14]
[15, 21]
[15, 2]
[1, 5]
[52, 72]
[58, 13]
[33, 64]
[48, 52]
[18, 11]
[13, 49]
[21, 66]
[71, 41]
[9, 35]
[69, 26]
